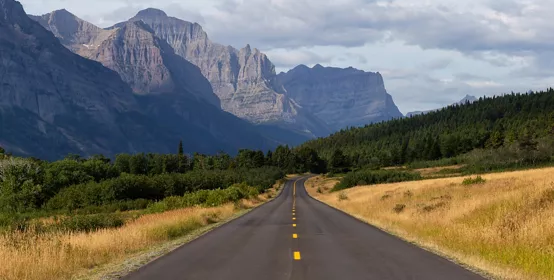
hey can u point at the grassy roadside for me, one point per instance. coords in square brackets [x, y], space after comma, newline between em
[110, 253]
[502, 224]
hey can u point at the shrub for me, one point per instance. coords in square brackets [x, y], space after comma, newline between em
[319, 190]
[399, 208]
[371, 177]
[208, 198]
[342, 196]
[430, 208]
[88, 223]
[473, 181]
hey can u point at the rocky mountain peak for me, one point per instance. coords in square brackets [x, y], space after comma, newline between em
[151, 13]
[318, 67]
[76, 34]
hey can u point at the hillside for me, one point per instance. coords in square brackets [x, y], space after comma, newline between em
[516, 119]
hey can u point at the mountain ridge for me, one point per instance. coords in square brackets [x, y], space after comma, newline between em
[55, 102]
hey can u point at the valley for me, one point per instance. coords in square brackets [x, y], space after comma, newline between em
[235, 140]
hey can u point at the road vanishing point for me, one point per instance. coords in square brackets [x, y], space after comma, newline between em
[297, 237]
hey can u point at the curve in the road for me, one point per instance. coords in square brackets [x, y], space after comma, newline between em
[296, 237]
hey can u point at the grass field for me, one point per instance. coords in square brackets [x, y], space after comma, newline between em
[502, 223]
[31, 255]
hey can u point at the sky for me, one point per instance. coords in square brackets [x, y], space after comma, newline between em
[431, 53]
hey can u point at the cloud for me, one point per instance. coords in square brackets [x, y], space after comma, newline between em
[283, 58]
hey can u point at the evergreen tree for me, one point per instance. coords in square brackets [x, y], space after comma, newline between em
[180, 152]
[339, 162]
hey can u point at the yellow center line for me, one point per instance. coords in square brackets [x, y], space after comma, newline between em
[293, 213]
[293, 218]
[297, 256]
[293, 225]
[294, 235]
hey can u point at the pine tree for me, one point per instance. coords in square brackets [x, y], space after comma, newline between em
[180, 152]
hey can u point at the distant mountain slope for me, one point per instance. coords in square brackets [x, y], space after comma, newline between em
[54, 102]
[466, 99]
[340, 97]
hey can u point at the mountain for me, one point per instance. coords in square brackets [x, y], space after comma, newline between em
[466, 99]
[340, 97]
[240, 78]
[54, 102]
[78, 35]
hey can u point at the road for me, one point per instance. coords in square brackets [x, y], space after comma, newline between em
[297, 237]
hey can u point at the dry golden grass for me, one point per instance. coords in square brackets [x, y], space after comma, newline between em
[30, 255]
[504, 226]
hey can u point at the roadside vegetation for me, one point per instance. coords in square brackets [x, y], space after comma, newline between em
[72, 216]
[500, 223]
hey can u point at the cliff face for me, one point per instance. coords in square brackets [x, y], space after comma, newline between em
[240, 78]
[54, 102]
[150, 66]
[50, 98]
[340, 97]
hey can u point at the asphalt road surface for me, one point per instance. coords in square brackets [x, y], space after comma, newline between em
[297, 237]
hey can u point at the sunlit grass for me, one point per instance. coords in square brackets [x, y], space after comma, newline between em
[62, 255]
[504, 225]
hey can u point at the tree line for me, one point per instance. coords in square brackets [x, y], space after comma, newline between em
[520, 122]
[514, 128]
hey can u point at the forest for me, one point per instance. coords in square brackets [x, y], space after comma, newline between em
[509, 131]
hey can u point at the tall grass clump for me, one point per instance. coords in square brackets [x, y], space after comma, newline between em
[474, 181]
[372, 177]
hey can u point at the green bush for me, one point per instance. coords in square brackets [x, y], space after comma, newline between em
[207, 198]
[473, 181]
[372, 177]
[88, 223]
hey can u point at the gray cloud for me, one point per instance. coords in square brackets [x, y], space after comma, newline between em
[291, 58]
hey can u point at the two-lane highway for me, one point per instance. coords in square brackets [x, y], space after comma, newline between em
[297, 237]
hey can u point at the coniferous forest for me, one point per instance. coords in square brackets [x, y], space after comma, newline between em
[509, 131]
[512, 127]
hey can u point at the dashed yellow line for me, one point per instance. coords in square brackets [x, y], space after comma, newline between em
[297, 255]
[293, 218]
[293, 225]
[294, 235]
